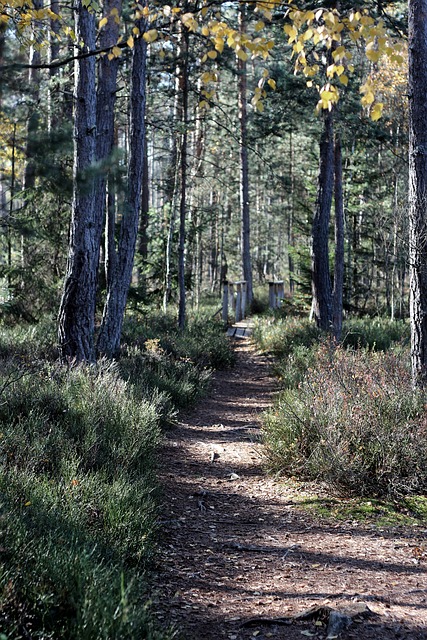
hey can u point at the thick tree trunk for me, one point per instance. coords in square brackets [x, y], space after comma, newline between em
[418, 188]
[321, 282]
[115, 305]
[244, 165]
[77, 308]
[337, 294]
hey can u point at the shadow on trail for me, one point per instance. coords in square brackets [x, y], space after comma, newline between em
[233, 550]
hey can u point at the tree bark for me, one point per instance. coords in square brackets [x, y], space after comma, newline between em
[32, 128]
[77, 307]
[105, 103]
[115, 305]
[183, 196]
[291, 215]
[417, 52]
[143, 226]
[337, 294]
[321, 282]
[244, 165]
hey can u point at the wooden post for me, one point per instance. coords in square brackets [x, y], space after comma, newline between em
[271, 296]
[225, 302]
[238, 301]
[244, 297]
[280, 293]
[232, 296]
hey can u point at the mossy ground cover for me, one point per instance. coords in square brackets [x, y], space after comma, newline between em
[78, 490]
[404, 512]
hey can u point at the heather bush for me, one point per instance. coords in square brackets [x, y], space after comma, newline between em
[376, 334]
[280, 336]
[78, 490]
[354, 422]
[77, 501]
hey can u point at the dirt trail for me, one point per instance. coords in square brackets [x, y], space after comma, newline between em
[236, 548]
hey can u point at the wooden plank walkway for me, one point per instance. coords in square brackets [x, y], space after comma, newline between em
[242, 329]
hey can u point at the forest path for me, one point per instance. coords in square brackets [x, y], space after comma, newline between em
[235, 546]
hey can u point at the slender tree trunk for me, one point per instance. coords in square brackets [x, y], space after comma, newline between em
[32, 127]
[171, 188]
[337, 294]
[244, 165]
[105, 120]
[418, 188]
[10, 216]
[115, 305]
[394, 281]
[321, 282]
[77, 308]
[291, 238]
[183, 195]
[143, 226]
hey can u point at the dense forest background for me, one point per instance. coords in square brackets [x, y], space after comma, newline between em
[194, 99]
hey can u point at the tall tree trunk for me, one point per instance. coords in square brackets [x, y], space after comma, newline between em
[105, 103]
[32, 127]
[183, 196]
[337, 294]
[321, 282]
[171, 188]
[418, 187]
[77, 307]
[115, 305]
[244, 164]
[10, 216]
[291, 215]
[143, 226]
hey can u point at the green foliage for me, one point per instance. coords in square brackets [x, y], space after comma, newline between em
[279, 336]
[377, 334]
[157, 355]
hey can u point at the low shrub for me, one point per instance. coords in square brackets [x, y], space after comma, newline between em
[376, 334]
[353, 422]
[77, 499]
[280, 336]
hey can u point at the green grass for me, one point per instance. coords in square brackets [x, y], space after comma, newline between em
[79, 498]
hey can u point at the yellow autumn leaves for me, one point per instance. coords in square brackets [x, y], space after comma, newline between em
[334, 33]
[321, 42]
